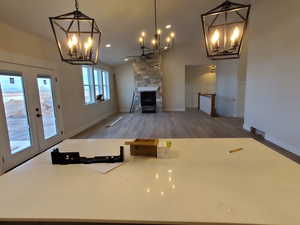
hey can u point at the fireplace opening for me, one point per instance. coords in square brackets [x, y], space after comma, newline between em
[148, 101]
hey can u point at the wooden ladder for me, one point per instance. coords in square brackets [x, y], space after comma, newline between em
[134, 103]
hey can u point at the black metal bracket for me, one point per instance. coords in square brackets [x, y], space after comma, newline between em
[65, 158]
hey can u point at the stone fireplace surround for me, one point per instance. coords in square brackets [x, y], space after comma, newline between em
[148, 77]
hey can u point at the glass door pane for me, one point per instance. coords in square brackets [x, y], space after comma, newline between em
[48, 113]
[15, 112]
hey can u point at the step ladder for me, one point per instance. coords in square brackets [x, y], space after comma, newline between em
[135, 103]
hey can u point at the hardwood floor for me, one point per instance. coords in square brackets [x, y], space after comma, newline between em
[190, 124]
[167, 125]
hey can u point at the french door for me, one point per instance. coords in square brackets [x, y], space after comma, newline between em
[30, 117]
[48, 111]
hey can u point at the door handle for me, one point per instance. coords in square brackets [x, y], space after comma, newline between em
[38, 115]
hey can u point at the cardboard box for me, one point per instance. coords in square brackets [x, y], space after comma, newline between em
[144, 147]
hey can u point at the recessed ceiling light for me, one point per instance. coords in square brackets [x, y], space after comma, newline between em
[108, 45]
[169, 26]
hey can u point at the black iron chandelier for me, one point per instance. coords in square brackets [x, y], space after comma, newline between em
[158, 43]
[77, 37]
[224, 28]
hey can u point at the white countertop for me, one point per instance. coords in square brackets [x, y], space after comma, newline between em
[199, 182]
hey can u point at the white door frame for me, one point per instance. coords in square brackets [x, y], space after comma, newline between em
[4, 144]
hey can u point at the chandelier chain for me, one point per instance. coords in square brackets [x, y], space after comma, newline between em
[76, 5]
[155, 16]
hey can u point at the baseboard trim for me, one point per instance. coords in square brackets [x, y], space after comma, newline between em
[174, 110]
[124, 110]
[277, 141]
[282, 144]
[246, 127]
[92, 123]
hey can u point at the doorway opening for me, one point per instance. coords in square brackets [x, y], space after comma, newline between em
[198, 79]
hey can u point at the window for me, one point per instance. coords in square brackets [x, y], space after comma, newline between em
[96, 84]
[105, 76]
[88, 85]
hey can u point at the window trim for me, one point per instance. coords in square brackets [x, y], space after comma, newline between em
[93, 86]
[106, 86]
[90, 85]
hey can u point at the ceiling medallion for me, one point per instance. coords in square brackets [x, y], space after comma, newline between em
[77, 37]
[224, 29]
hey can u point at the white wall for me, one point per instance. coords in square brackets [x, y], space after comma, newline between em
[24, 48]
[198, 79]
[227, 76]
[125, 86]
[273, 80]
[76, 114]
[241, 80]
[231, 84]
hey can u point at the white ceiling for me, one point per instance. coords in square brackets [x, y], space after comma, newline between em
[121, 21]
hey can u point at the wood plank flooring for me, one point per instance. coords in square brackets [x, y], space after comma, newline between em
[190, 124]
[167, 125]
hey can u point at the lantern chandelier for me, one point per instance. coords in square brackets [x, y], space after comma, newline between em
[224, 28]
[77, 36]
[158, 43]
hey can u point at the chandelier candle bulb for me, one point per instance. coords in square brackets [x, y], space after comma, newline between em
[153, 42]
[87, 46]
[215, 40]
[75, 44]
[74, 39]
[142, 42]
[168, 40]
[235, 37]
[172, 37]
[70, 45]
[158, 37]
